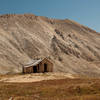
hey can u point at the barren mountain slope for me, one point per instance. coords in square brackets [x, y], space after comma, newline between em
[72, 47]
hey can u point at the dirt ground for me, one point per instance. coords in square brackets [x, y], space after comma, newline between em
[57, 89]
[35, 77]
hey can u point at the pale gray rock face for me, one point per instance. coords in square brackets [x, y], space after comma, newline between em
[72, 47]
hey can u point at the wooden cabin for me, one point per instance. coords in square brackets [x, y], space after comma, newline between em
[38, 66]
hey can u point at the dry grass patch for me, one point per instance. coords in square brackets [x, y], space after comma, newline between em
[63, 89]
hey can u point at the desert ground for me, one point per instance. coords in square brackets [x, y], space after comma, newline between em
[34, 77]
[48, 86]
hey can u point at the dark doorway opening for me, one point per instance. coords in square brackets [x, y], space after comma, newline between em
[38, 67]
[34, 69]
[45, 68]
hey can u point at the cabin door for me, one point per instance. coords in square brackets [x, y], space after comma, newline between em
[34, 69]
[45, 68]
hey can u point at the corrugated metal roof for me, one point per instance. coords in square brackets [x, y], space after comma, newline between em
[33, 63]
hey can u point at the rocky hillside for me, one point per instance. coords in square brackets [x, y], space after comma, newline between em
[72, 47]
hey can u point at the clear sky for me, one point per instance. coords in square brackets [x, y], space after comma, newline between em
[86, 12]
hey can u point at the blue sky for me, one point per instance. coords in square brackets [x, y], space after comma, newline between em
[86, 12]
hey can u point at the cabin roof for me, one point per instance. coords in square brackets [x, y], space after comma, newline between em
[33, 62]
